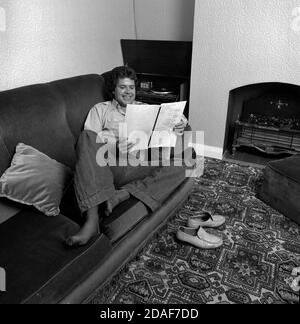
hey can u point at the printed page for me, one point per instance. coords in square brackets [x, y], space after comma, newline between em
[140, 121]
[169, 116]
[163, 139]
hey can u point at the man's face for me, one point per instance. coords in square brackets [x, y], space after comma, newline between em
[125, 91]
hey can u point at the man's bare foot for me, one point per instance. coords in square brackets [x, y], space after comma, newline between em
[87, 231]
[119, 196]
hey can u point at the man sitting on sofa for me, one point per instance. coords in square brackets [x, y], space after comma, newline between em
[108, 186]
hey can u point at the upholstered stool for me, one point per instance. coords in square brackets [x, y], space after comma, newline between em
[281, 186]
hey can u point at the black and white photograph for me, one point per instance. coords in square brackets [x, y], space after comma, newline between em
[149, 155]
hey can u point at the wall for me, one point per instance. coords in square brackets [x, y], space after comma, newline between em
[237, 42]
[46, 40]
[165, 19]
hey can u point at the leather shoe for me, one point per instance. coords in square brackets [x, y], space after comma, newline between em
[199, 238]
[205, 219]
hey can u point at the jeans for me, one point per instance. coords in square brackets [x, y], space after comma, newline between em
[95, 184]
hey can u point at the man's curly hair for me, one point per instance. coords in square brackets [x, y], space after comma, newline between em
[112, 78]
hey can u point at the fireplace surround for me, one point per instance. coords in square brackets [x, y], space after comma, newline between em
[264, 117]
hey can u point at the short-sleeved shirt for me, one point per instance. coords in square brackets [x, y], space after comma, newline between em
[106, 116]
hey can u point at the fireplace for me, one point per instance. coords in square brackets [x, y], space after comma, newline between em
[263, 119]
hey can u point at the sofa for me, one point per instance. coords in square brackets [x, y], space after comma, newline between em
[39, 267]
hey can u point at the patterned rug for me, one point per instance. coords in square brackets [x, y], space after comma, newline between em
[261, 247]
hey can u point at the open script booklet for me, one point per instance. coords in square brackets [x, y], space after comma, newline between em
[152, 125]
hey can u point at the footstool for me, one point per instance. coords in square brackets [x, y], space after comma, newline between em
[281, 186]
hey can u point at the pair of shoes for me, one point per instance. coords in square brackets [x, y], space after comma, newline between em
[205, 219]
[198, 237]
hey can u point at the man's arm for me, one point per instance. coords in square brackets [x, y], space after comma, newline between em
[94, 121]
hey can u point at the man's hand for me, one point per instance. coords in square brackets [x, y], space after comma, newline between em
[179, 128]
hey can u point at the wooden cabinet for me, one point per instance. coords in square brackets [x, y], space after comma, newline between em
[163, 69]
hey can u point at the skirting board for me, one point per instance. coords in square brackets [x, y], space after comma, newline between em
[213, 152]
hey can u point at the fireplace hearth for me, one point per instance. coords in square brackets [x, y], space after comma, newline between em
[265, 118]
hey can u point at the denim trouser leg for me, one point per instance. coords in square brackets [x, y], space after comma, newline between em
[94, 184]
[157, 185]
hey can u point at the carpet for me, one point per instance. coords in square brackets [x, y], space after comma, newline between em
[261, 248]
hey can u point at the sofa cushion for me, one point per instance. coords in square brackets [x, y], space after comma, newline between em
[39, 267]
[47, 116]
[35, 179]
[8, 209]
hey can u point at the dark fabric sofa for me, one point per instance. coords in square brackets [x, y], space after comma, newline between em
[39, 267]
